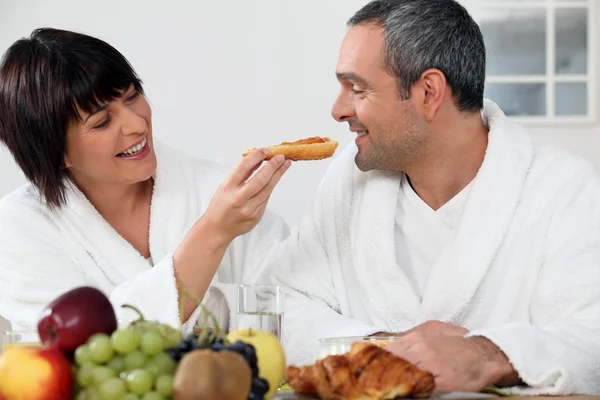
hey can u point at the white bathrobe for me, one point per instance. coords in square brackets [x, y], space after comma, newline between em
[523, 269]
[43, 254]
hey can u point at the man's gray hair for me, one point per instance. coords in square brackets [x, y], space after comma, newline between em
[424, 34]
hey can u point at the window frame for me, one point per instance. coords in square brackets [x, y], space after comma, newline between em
[551, 78]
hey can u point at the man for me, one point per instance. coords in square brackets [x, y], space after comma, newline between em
[444, 221]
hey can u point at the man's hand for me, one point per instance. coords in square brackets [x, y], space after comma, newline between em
[457, 363]
[439, 327]
[381, 334]
[442, 328]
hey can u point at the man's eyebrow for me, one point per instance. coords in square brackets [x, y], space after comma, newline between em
[352, 77]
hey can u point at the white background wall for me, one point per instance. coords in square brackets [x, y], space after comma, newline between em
[225, 76]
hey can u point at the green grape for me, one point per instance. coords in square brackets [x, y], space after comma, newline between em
[139, 381]
[152, 327]
[91, 393]
[153, 368]
[172, 337]
[82, 354]
[125, 341]
[84, 376]
[101, 374]
[164, 385]
[153, 396]
[117, 364]
[165, 363]
[164, 341]
[112, 389]
[130, 396]
[162, 329]
[146, 327]
[151, 343]
[135, 360]
[138, 330]
[100, 348]
[88, 364]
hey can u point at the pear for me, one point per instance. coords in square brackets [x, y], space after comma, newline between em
[205, 374]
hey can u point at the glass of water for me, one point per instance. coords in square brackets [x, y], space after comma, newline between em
[20, 338]
[260, 307]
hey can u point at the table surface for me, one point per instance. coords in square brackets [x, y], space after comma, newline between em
[460, 396]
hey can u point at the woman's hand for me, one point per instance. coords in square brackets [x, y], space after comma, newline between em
[240, 201]
[236, 208]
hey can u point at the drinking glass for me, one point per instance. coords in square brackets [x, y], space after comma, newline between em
[260, 307]
[20, 338]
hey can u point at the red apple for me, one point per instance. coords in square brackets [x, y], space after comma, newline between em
[72, 318]
[35, 373]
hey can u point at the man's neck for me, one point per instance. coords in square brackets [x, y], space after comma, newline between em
[451, 163]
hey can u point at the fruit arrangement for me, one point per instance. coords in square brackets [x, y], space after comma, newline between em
[196, 351]
[131, 362]
[85, 357]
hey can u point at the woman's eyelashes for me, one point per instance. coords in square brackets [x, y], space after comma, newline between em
[133, 96]
[106, 121]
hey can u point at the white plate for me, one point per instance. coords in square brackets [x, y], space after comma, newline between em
[341, 345]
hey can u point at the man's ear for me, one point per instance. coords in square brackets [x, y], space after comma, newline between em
[429, 92]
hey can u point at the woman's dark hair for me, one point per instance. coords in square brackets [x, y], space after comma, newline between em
[44, 79]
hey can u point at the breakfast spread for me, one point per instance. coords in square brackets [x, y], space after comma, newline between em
[85, 355]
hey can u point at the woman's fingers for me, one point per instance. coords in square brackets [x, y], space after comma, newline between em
[263, 195]
[245, 193]
[246, 168]
[263, 177]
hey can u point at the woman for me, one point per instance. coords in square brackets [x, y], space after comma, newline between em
[107, 206]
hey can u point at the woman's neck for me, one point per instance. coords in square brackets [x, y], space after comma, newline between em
[116, 202]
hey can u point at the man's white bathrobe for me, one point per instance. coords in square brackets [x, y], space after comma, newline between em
[45, 253]
[523, 269]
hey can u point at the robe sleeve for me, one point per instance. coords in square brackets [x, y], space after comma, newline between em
[558, 351]
[154, 292]
[34, 269]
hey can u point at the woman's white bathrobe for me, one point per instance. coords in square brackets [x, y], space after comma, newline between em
[523, 269]
[45, 253]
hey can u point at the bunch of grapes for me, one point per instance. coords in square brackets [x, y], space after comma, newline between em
[214, 342]
[130, 364]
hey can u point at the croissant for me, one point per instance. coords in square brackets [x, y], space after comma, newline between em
[366, 372]
[313, 148]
